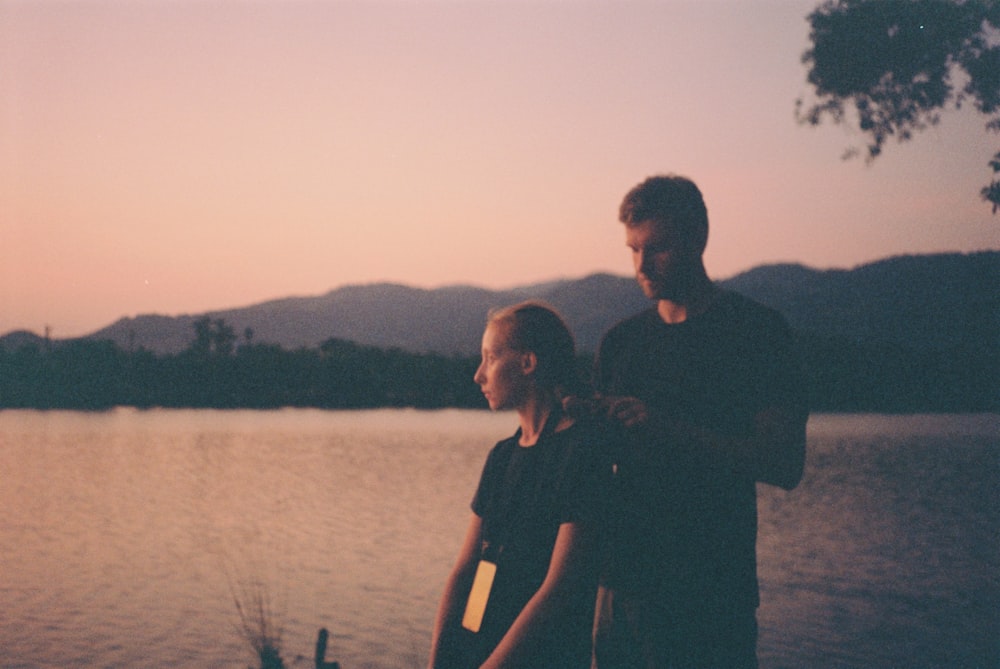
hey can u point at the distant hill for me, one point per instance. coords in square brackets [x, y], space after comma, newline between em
[932, 302]
[444, 320]
[19, 338]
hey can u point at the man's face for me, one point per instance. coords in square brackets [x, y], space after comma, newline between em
[661, 257]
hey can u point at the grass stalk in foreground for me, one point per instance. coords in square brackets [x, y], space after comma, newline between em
[257, 622]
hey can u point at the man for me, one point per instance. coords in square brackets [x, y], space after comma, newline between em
[707, 386]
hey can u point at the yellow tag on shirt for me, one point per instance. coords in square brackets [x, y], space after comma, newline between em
[480, 593]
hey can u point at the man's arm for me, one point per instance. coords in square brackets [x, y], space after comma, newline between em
[774, 453]
[778, 447]
[775, 450]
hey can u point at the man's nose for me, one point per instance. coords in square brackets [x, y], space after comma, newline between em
[642, 260]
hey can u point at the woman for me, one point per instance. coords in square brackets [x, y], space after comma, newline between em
[522, 591]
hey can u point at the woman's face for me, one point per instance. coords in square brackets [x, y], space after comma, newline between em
[501, 374]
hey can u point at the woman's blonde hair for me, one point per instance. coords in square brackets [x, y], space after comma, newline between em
[536, 327]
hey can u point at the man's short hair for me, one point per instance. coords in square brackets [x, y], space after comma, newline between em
[668, 199]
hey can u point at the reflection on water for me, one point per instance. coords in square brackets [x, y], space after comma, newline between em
[888, 554]
[123, 534]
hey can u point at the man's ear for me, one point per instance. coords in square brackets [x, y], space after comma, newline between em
[529, 363]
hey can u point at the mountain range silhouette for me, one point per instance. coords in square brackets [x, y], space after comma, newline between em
[925, 302]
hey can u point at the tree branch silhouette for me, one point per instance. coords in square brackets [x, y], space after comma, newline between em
[889, 66]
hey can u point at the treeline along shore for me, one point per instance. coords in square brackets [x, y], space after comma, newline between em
[216, 372]
[221, 370]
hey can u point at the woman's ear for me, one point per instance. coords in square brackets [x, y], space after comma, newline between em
[529, 363]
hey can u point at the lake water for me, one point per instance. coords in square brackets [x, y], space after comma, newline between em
[126, 535]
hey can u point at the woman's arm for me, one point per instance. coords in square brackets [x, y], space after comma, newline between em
[458, 584]
[574, 560]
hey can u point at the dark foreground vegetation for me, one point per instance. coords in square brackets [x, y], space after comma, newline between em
[217, 371]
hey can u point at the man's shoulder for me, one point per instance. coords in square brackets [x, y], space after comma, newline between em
[733, 306]
[639, 321]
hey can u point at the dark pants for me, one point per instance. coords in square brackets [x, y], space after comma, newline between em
[639, 631]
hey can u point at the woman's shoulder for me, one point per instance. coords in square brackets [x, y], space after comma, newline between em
[593, 424]
[588, 436]
[502, 449]
[507, 444]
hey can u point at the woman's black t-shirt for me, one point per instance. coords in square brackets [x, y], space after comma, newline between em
[524, 495]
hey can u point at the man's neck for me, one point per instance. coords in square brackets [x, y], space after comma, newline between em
[695, 302]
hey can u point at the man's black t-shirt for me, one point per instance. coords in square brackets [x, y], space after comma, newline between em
[686, 521]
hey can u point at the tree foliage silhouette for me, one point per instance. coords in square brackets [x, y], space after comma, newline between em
[844, 375]
[890, 66]
[214, 337]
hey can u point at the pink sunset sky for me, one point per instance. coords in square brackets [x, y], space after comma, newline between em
[179, 156]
